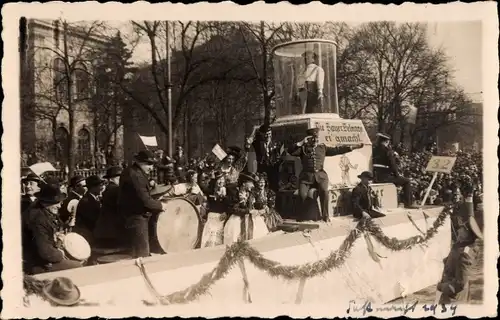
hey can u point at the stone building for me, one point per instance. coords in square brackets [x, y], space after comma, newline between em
[52, 53]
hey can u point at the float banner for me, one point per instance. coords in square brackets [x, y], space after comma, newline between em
[341, 132]
[149, 141]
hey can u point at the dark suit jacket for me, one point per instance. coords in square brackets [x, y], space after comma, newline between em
[259, 146]
[360, 201]
[87, 212]
[134, 197]
[110, 199]
[313, 160]
[42, 248]
[383, 155]
[26, 202]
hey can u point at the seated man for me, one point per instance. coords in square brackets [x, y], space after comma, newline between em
[46, 228]
[362, 198]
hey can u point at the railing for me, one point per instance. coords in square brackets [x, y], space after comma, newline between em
[61, 174]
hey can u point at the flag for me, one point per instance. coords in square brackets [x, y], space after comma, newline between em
[218, 152]
[149, 141]
[412, 115]
[41, 167]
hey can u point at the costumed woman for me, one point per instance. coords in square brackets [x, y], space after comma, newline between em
[245, 222]
[217, 206]
[232, 165]
[265, 199]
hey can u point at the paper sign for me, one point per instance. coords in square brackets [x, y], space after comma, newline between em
[218, 152]
[40, 168]
[149, 141]
[441, 164]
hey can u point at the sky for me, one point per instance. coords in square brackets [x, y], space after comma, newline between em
[461, 42]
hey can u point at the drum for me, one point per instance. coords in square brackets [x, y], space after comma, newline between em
[76, 246]
[110, 258]
[178, 227]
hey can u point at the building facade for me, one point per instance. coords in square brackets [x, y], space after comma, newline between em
[58, 94]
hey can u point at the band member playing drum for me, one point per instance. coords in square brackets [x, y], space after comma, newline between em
[136, 204]
[245, 221]
[265, 198]
[47, 231]
[385, 168]
[89, 208]
[312, 154]
[217, 207]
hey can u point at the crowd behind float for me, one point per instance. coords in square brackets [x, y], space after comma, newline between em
[116, 210]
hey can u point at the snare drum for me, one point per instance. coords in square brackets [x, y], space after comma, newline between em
[76, 246]
[178, 228]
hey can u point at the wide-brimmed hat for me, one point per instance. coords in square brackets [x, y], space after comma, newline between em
[366, 174]
[312, 132]
[76, 180]
[31, 177]
[145, 156]
[383, 136]
[94, 181]
[113, 172]
[50, 193]
[62, 291]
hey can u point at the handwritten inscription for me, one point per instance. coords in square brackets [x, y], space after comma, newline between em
[367, 307]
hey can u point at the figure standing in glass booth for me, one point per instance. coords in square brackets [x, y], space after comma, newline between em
[310, 84]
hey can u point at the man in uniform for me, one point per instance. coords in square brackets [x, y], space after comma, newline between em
[386, 170]
[136, 204]
[362, 198]
[312, 155]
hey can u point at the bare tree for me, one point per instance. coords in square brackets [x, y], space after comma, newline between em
[62, 72]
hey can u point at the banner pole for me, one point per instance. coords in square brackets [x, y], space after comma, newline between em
[429, 189]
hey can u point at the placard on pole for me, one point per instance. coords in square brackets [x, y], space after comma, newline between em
[438, 164]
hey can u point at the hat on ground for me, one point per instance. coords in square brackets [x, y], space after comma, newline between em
[312, 132]
[113, 172]
[145, 156]
[31, 177]
[50, 193]
[76, 180]
[366, 174]
[383, 136]
[94, 181]
[62, 291]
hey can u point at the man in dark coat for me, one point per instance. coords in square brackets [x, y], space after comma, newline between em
[110, 227]
[386, 170]
[267, 153]
[362, 198]
[136, 204]
[312, 154]
[68, 207]
[89, 208]
[45, 249]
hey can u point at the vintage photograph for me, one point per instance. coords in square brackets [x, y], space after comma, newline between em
[172, 162]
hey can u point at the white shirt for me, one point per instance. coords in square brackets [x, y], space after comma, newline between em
[312, 73]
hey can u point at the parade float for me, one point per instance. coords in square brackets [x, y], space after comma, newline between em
[339, 261]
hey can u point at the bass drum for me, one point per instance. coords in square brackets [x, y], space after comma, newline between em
[178, 228]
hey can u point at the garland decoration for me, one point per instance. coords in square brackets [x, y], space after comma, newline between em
[241, 250]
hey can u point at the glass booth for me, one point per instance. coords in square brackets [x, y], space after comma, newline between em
[305, 77]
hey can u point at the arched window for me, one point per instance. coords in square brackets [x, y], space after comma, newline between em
[83, 147]
[60, 79]
[61, 142]
[81, 81]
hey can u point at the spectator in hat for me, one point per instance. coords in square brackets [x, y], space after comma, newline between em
[268, 155]
[67, 212]
[310, 84]
[135, 203]
[313, 154]
[31, 186]
[386, 170]
[45, 247]
[363, 198]
[110, 227]
[89, 208]
[232, 165]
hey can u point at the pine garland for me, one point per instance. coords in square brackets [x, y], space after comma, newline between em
[241, 250]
